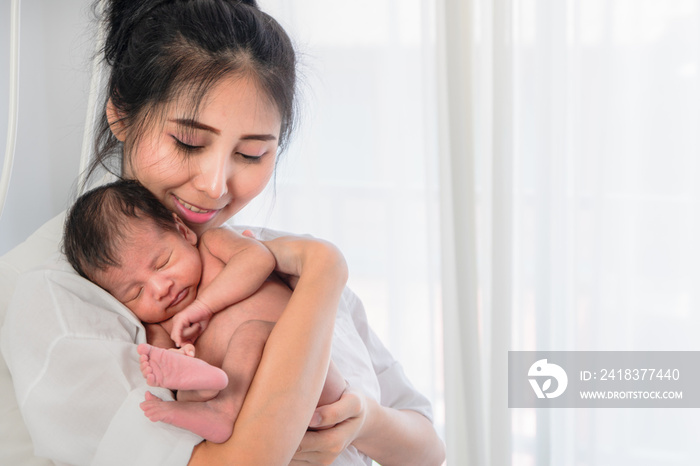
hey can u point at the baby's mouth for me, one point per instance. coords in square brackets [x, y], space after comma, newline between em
[181, 295]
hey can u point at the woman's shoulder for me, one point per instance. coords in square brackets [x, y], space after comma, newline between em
[37, 248]
[52, 295]
[39, 289]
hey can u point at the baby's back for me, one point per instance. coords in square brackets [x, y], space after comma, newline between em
[266, 304]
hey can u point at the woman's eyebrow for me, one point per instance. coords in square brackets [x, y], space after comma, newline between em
[258, 137]
[194, 124]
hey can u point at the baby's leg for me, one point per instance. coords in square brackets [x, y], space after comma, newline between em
[214, 419]
[173, 370]
[332, 390]
[191, 395]
[195, 416]
[334, 387]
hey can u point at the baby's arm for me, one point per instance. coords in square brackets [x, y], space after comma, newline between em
[247, 264]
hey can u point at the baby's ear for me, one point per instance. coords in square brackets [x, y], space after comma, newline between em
[116, 121]
[185, 231]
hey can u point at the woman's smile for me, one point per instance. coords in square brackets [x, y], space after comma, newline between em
[191, 213]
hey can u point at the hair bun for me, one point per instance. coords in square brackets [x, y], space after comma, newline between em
[120, 17]
[252, 3]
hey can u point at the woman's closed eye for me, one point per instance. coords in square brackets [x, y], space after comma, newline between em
[191, 148]
[183, 146]
[250, 158]
[253, 151]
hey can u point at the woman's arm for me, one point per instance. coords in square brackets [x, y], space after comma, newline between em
[387, 435]
[394, 430]
[399, 437]
[286, 387]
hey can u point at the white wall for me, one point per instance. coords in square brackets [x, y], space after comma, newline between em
[56, 47]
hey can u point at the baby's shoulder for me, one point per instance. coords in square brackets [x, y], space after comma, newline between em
[217, 238]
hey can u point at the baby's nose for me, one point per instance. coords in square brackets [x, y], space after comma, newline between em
[161, 286]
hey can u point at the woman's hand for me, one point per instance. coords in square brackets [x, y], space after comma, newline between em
[340, 424]
[387, 435]
[293, 253]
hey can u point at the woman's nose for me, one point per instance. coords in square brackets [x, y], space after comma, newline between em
[213, 175]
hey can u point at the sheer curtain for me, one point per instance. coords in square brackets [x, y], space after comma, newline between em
[581, 214]
[362, 169]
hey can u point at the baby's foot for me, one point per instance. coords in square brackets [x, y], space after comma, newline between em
[198, 417]
[170, 369]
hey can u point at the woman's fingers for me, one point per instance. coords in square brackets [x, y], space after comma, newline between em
[340, 423]
[322, 448]
[349, 405]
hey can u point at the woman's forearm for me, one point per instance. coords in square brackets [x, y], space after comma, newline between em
[399, 437]
[288, 383]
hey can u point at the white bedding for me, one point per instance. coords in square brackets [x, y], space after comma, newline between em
[15, 445]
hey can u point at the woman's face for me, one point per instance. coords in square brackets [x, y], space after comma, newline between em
[208, 169]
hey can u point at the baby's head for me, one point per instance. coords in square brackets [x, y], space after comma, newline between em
[123, 239]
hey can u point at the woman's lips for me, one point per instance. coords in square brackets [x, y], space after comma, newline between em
[193, 214]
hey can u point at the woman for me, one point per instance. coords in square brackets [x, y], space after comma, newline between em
[200, 98]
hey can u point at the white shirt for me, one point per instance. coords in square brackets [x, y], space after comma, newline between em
[71, 349]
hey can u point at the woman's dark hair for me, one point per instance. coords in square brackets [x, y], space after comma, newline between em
[161, 50]
[98, 224]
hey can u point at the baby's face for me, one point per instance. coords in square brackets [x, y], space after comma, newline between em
[159, 273]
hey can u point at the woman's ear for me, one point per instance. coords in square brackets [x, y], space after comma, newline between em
[116, 121]
[185, 231]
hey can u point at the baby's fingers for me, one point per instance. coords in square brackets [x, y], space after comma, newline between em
[192, 332]
[176, 334]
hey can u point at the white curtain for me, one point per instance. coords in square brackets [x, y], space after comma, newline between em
[579, 210]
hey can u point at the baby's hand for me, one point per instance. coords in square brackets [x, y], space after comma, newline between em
[187, 349]
[189, 323]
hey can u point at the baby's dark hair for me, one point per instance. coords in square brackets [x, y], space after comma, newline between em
[159, 51]
[98, 224]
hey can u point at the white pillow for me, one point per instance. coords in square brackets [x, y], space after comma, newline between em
[15, 444]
